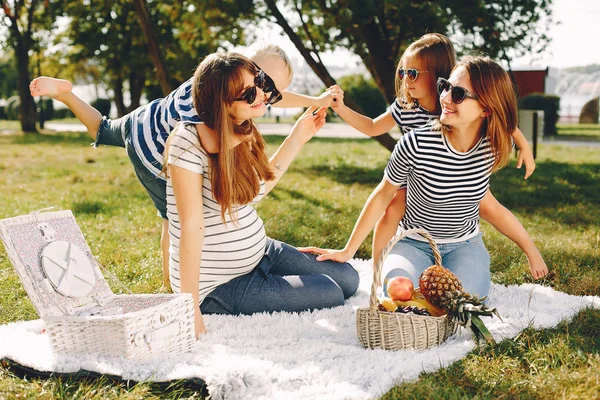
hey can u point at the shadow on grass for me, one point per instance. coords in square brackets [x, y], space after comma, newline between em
[64, 138]
[561, 192]
[71, 382]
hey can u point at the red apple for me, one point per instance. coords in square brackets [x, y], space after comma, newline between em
[400, 288]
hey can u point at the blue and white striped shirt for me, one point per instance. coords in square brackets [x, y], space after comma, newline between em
[152, 123]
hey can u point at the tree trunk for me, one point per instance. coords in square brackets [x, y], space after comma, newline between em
[154, 50]
[119, 102]
[27, 113]
[320, 70]
[136, 85]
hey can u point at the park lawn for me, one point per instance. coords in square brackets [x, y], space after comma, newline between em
[317, 203]
[584, 132]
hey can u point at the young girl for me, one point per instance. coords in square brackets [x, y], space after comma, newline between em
[219, 250]
[425, 60]
[446, 169]
[144, 131]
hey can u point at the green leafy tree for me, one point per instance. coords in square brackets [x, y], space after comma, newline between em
[25, 22]
[107, 35]
[8, 76]
[365, 93]
[378, 31]
[199, 27]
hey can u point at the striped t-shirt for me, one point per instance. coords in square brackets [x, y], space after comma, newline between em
[152, 123]
[229, 250]
[410, 118]
[444, 186]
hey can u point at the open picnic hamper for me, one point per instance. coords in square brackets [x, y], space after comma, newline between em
[81, 314]
[396, 331]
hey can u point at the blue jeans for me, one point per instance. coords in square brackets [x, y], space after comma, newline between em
[468, 260]
[284, 280]
[117, 132]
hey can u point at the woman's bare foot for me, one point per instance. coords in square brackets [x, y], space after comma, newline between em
[51, 87]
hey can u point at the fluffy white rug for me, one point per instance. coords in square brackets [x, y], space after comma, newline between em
[302, 356]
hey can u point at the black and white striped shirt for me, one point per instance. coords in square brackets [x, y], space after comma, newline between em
[444, 186]
[229, 250]
[410, 118]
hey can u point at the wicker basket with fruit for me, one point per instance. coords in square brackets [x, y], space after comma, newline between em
[419, 318]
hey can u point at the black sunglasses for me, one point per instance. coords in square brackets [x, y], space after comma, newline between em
[266, 84]
[412, 74]
[458, 93]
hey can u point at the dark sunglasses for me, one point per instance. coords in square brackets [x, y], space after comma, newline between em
[412, 74]
[266, 84]
[458, 93]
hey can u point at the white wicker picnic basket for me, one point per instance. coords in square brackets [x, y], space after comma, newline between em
[82, 315]
[397, 331]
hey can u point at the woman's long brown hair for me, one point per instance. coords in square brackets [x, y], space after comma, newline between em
[496, 93]
[235, 172]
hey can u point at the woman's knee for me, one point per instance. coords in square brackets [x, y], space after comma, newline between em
[348, 281]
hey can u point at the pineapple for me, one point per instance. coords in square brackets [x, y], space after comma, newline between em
[442, 288]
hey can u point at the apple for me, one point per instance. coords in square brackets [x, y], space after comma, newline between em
[400, 288]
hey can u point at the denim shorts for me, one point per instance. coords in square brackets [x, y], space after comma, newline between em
[469, 260]
[117, 133]
[284, 280]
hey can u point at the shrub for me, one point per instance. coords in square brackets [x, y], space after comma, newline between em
[365, 93]
[550, 104]
[62, 113]
[102, 105]
[12, 108]
[2, 114]
[47, 105]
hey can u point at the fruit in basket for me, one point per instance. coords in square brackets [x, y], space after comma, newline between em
[443, 289]
[400, 288]
[418, 300]
[387, 304]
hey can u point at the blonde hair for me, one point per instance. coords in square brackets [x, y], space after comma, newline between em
[436, 55]
[497, 96]
[263, 49]
[235, 171]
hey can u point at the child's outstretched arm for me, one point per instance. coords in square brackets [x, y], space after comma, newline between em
[525, 154]
[369, 126]
[506, 223]
[292, 99]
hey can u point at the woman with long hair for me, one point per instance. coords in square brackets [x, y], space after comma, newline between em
[219, 251]
[446, 169]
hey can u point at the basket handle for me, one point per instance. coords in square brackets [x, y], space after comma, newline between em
[388, 248]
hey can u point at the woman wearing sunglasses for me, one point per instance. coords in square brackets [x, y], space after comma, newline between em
[144, 131]
[416, 105]
[446, 169]
[219, 250]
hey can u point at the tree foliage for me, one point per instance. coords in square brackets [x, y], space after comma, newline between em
[26, 22]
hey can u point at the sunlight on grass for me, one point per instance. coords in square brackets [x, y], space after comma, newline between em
[317, 203]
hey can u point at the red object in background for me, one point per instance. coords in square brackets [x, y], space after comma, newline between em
[530, 81]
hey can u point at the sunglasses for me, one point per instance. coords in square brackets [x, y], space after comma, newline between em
[266, 84]
[412, 74]
[458, 93]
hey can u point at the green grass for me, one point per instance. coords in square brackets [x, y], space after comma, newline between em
[585, 132]
[317, 203]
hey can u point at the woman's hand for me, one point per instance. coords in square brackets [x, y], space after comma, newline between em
[328, 254]
[526, 157]
[537, 265]
[198, 323]
[308, 124]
